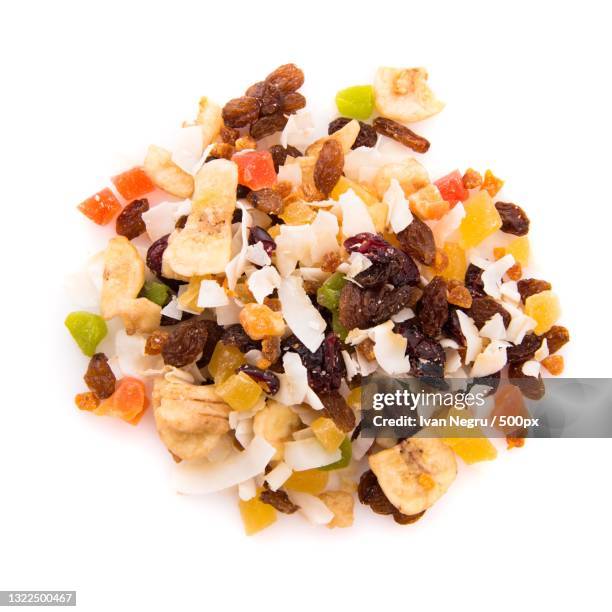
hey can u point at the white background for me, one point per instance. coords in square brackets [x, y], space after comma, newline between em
[85, 502]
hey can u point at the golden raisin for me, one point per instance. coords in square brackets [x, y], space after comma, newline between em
[330, 262]
[283, 188]
[554, 364]
[270, 348]
[155, 342]
[472, 179]
[245, 142]
[498, 252]
[440, 261]
[222, 150]
[491, 183]
[460, 296]
[366, 348]
[86, 401]
[229, 135]
[515, 272]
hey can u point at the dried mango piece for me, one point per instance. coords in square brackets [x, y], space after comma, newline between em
[327, 433]
[519, 249]
[491, 183]
[307, 481]
[224, 362]
[544, 307]
[457, 262]
[239, 391]
[256, 515]
[480, 221]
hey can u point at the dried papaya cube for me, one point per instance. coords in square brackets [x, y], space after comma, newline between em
[256, 515]
[225, 360]
[239, 391]
[100, 207]
[86, 401]
[255, 169]
[480, 221]
[133, 184]
[520, 250]
[452, 189]
[457, 262]
[327, 433]
[128, 402]
[544, 308]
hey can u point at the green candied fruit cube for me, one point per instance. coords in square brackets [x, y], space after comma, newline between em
[346, 450]
[87, 329]
[156, 292]
[356, 102]
[337, 326]
[328, 294]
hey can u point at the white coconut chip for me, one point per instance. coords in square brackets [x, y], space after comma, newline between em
[308, 454]
[492, 276]
[390, 349]
[313, 274]
[292, 245]
[399, 216]
[235, 268]
[453, 360]
[360, 447]
[366, 367]
[301, 316]
[172, 310]
[405, 314]
[211, 295]
[542, 352]
[324, 239]
[312, 399]
[277, 477]
[160, 219]
[355, 215]
[355, 264]
[235, 416]
[448, 343]
[491, 360]
[228, 315]
[263, 282]
[352, 368]
[253, 356]
[291, 173]
[520, 324]
[247, 489]
[307, 416]
[494, 328]
[293, 381]
[244, 432]
[531, 368]
[448, 224]
[298, 130]
[478, 261]
[315, 511]
[257, 255]
[509, 291]
[472, 337]
[201, 477]
[362, 157]
[187, 147]
[132, 359]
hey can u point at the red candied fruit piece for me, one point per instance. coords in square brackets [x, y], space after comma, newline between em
[133, 184]
[255, 169]
[452, 189]
[100, 207]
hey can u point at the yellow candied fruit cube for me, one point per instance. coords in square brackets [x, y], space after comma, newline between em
[327, 433]
[354, 398]
[472, 450]
[480, 221]
[344, 184]
[189, 297]
[239, 391]
[224, 362]
[491, 183]
[256, 515]
[519, 249]
[544, 307]
[297, 213]
[307, 481]
[259, 321]
[457, 262]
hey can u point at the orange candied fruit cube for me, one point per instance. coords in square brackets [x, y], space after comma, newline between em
[514, 442]
[554, 364]
[133, 184]
[128, 402]
[86, 401]
[491, 183]
[255, 169]
[100, 207]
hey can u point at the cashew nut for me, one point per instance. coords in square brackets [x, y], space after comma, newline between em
[165, 174]
[410, 174]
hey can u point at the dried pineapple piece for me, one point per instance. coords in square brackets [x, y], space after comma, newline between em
[203, 246]
[165, 174]
[403, 94]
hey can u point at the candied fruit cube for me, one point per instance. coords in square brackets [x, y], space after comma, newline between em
[128, 402]
[346, 450]
[519, 249]
[224, 362]
[472, 450]
[354, 398]
[457, 262]
[239, 391]
[544, 307]
[554, 364]
[297, 213]
[452, 189]
[480, 221]
[491, 184]
[356, 102]
[133, 184]
[328, 294]
[259, 321]
[428, 204]
[158, 293]
[86, 401]
[100, 207]
[307, 481]
[344, 184]
[255, 169]
[87, 329]
[256, 515]
[509, 402]
[327, 433]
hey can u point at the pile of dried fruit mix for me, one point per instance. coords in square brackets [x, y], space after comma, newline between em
[281, 270]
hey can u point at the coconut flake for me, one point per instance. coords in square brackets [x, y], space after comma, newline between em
[491, 360]
[201, 477]
[390, 349]
[247, 489]
[298, 130]
[308, 454]
[470, 332]
[399, 216]
[354, 265]
[211, 295]
[494, 328]
[263, 282]
[292, 245]
[355, 215]
[277, 477]
[291, 173]
[509, 291]
[312, 399]
[315, 511]
[244, 432]
[131, 355]
[357, 336]
[301, 316]
[324, 230]
[352, 368]
[228, 315]
[531, 368]
[361, 446]
[187, 148]
[448, 224]
[520, 324]
[313, 274]
[235, 268]
[404, 314]
[448, 343]
[542, 352]
[453, 360]
[293, 382]
[492, 276]
[171, 309]
[256, 254]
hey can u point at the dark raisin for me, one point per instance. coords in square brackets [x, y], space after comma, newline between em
[129, 222]
[259, 234]
[337, 410]
[427, 359]
[234, 335]
[525, 350]
[168, 321]
[155, 254]
[473, 281]
[411, 330]
[556, 337]
[402, 270]
[365, 138]
[530, 286]
[279, 156]
[452, 327]
[279, 500]
[99, 376]
[155, 342]
[269, 96]
[376, 274]
[328, 167]
[213, 335]
[418, 241]
[514, 219]
[532, 387]
[181, 221]
[185, 343]
[267, 200]
[237, 215]
[288, 78]
[400, 133]
[291, 150]
[404, 519]
[267, 380]
[265, 126]
[229, 135]
[325, 366]
[241, 111]
[483, 308]
[433, 307]
[371, 494]
[242, 191]
[293, 102]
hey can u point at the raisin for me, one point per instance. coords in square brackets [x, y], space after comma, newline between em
[473, 281]
[287, 78]
[267, 380]
[402, 270]
[514, 219]
[327, 373]
[291, 150]
[129, 222]
[155, 342]
[483, 308]
[427, 359]
[269, 96]
[213, 335]
[240, 112]
[155, 254]
[234, 335]
[471, 179]
[400, 133]
[270, 348]
[404, 519]
[525, 350]
[459, 295]
[531, 387]
[181, 221]
[229, 135]
[279, 500]
[418, 241]
[337, 410]
[267, 200]
[329, 166]
[530, 286]
[99, 376]
[242, 191]
[411, 330]
[265, 126]
[376, 274]
[185, 343]
[259, 234]
[556, 337]
[365, 138]
[452, 327]
[293, 102]
[433, 307]
[279, 156]
[492, 381]
[371, 494]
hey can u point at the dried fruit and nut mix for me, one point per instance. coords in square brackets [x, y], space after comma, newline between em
[260, 271]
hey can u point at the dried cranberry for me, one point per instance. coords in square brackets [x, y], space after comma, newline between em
[366, 244]
[155, 254]
[259, 234]
[264, 378]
